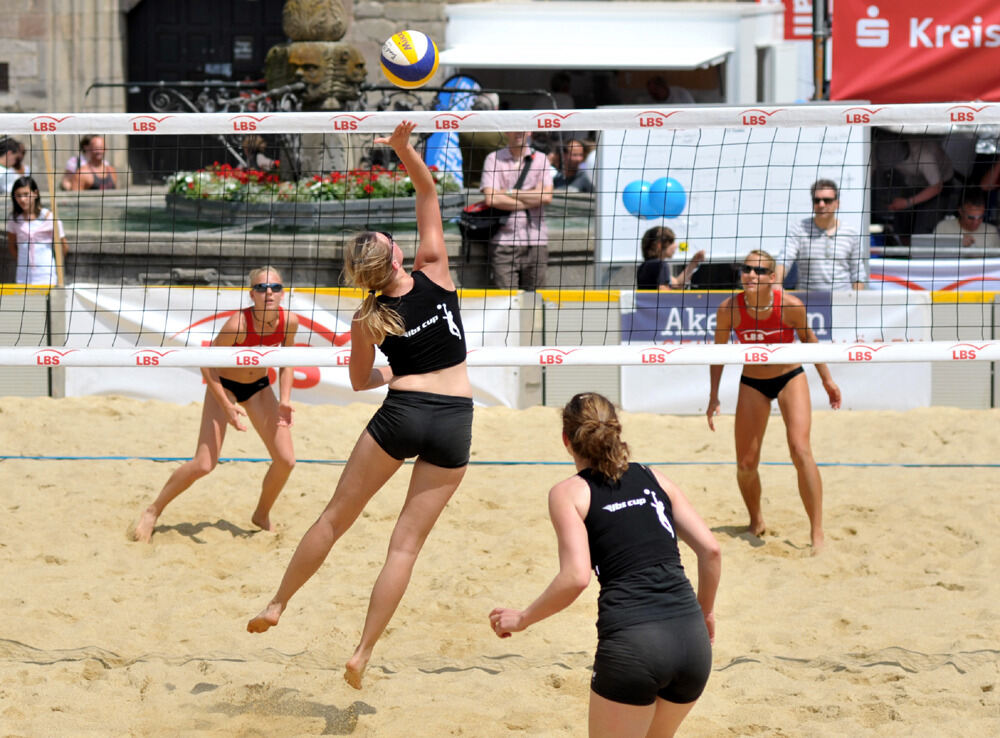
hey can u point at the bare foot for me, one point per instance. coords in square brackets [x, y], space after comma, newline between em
[144, 528]
[818, 542]
[757, 528]
[268, 617]
[264, 523]
[354, 670]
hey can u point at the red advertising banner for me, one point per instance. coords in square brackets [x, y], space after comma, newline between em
[917, 51]
[798, 18]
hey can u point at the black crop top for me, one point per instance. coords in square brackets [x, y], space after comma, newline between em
[433, 337]
[633, 549]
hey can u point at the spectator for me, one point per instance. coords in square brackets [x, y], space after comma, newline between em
[10, 152]
[991, 185]
[74, 162]
[93, 173]
[560, 96]
[661, 92]
[255, 154]
[519, 253]
[570, 176]
[914, 175]
[32, 232]
[827, 252]
[659, 244]
[22, 169]
[969, 222]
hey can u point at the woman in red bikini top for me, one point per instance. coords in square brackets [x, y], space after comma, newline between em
[762, 313]
[232, 394]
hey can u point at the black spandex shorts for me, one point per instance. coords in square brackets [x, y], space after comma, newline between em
[243, 391]
[771, 387]
[665, 658]
[434, 428]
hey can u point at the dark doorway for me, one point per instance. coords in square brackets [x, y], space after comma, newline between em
[193, 41]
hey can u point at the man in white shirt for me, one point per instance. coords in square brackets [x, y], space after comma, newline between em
[660, 92]
[828, 253]
[969, 223]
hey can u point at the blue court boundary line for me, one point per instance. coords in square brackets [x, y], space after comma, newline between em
[477, 462]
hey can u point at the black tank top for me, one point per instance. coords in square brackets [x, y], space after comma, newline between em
[433, 336]
[633, 549]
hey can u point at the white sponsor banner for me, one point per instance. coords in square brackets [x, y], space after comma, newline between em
[947, 275]
[900, 320]
[726, 192]
[155, 320]
[632, 118]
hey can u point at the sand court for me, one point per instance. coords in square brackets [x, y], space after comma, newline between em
[893, 631]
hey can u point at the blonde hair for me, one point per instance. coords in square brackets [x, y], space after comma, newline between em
[255, 273]
[591, 425]
[764, 256]
[368, 265]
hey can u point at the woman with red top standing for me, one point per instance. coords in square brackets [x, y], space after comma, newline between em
[762, 313]
[232, 394]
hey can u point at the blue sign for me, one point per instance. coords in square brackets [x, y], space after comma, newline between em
[689, 317]
[442, 150]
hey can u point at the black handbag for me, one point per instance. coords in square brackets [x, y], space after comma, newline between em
[479, 221]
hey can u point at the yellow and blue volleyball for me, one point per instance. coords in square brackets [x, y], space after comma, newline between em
[409, 59]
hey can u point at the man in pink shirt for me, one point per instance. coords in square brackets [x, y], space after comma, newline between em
[519, 253]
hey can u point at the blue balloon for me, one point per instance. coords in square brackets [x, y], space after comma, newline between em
[665, 198]
[634, 194]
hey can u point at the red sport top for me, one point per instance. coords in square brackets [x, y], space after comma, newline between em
[763, 330]
[277, 338]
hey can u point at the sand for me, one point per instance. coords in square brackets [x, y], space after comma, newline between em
[893, 631]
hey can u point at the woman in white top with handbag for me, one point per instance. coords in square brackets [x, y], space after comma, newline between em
[31, 233]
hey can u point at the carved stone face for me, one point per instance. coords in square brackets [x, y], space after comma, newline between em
[349, 65]
[308, 63]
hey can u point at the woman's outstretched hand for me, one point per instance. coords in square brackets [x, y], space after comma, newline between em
[400, 137]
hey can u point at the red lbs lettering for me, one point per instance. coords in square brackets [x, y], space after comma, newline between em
[755, 120]
[651, 122]
[43, 125]
[548, 123]
[964, 354]
[654, 358]
[550, 359]
[859, 355]
[345, 125]
[247, 360]
[756, 357]
[47, 360]
[147, 360]
[343, 359]
[858, 118]
[962, 116]
[244, 125]
[446, 125]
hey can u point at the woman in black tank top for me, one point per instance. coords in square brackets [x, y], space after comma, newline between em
[427, 412]
[623, 520]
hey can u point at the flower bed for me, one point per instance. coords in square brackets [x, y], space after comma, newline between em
[226, 183]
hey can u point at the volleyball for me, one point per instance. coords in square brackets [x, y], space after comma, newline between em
[409, 59]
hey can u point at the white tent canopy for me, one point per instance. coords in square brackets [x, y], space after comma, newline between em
[624, 35]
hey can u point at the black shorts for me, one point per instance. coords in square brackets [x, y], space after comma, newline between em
[771, 387]
[434, 428]
[243, 391]
[665, 658]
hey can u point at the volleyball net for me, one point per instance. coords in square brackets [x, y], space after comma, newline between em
[156, 264]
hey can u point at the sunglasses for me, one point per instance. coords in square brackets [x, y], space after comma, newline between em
[263, 287]
[746, 269]
[974, 217]
[387, 235]
[824, 200]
